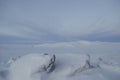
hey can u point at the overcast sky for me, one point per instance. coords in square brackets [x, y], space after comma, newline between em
[43, 21]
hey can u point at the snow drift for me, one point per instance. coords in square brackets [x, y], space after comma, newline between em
[64, 67]
[70, 62]
[28, 66]
[35, 66]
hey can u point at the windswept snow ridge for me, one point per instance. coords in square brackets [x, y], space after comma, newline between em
[28, 66]
[35, 66]
[82, 60]
[66, 67]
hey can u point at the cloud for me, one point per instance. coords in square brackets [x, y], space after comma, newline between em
[85, 47]
[54, 21]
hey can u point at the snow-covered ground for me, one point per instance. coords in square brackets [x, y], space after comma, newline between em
[82, 60]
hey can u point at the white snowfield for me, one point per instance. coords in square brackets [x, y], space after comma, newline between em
[34, 66]
[28, 66]
[68, 61]
[67, 67]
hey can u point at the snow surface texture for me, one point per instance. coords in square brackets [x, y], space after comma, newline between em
[68, 67]
[72, 63]
[36, 66]
[30, 66]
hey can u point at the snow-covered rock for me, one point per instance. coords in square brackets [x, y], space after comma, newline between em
[67, 67]
[28, 66]
[71, 64]
[12, 60]
[35, 66]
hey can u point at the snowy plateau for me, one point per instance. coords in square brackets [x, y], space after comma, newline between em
[81, 60]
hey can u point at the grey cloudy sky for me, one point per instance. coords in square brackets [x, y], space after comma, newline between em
[31, 21]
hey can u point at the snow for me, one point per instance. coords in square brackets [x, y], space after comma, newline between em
[31, 66]
[71, 63]
[27, 66]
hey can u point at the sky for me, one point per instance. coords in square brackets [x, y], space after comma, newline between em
[46, 21]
